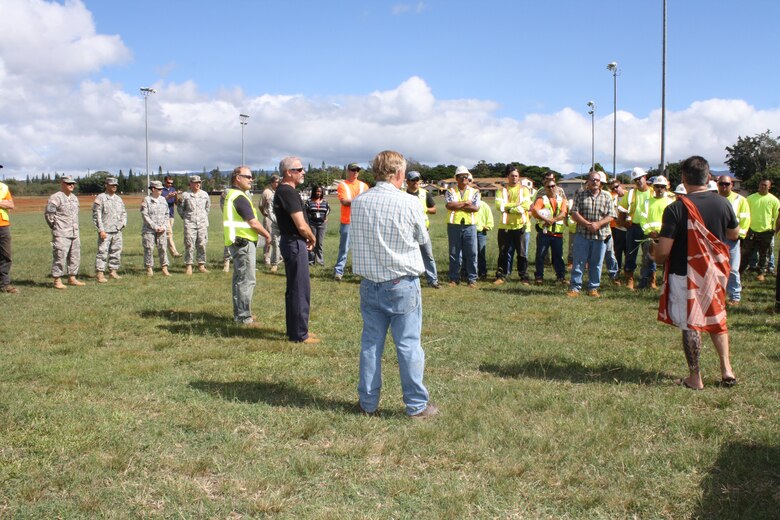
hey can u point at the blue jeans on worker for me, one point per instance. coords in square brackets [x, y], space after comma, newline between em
[397, 305]
[429, 263]
[634, 237]
[244, 280]
[462, 240]
[545, 242]
[297, 295]
[591, 252]
[341, 260]
[734, 285]
[610, 259]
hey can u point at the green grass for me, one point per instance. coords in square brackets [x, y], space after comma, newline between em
[140, 398]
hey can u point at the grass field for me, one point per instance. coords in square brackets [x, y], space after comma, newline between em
[140, 398]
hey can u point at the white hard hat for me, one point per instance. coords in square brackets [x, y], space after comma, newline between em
[637, 173]
[660, 180]
[712, 186]
[680, 189]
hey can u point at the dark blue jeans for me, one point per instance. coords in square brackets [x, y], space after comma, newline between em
[545, 241]
[297, 296]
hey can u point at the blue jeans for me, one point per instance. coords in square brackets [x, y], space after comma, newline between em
[341, 261]
[244, 281]
[634, 237]
[648, 266]
[396, 304]
[610, 259]
[734, 285]
[588, 251]
[297, 295]
[462, 240]
[545, 241]
[431, 275]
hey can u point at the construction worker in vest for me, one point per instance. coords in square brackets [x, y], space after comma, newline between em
[651, 226]
[462, 202]
[742, 211]
[513, 202]
[241, 228]
[62, 217]
[550, 212]
[110, 218]
[764, 210]
[6, 203]
[634, 204]
[484, 223]
[610, 260]
[347, 191]
[618, 232]
[428, 207]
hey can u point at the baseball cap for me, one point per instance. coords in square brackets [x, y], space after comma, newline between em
[412, 175]
[354, 166]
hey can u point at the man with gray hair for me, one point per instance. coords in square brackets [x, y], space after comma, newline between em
[194, 210]
[62, 217]
[387, 231]
[271, 254]
[110, 217]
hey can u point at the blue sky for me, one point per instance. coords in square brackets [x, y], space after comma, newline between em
[444, 82]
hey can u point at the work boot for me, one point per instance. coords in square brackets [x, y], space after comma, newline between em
[274, 268]
[73, 281]
[101, 278]
[188, 269]
[166, 273]
[202, 268]
[113, 274]
[226, 267]
[630, 281]
[149, 271]
[58, 284]
[653, 283]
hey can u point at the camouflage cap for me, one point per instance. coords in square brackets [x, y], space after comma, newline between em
[156, 184]
[67, 179]
[112, 181]
[195, 178]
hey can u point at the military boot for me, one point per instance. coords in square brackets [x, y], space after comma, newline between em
[58, 284]
[188, 269]
[73, 281]
[202, 268]
[630, 281]
[113, 274]
[101, 278]
[149, 271]
[165, 271]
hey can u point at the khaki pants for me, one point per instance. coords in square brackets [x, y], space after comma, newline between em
[66, 256]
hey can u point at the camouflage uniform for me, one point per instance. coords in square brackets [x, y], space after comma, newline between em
[194, 211]
[109, 216]
[154, 212]
[62, 216]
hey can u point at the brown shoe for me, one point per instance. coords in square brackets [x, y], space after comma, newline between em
[472, 285]
[431, 410]
[101, 278]
[274, 268]
[453, 284]
[202, 268]
[113, 274]
[149, 271]
[539, 281]
[630, 281]
[73, 281]
[653, 283]
[573, 294]
[188, 269]
[310, 341]
[58, 284]
[732, 303]
[499, 281]
[760, 278]
[594, 293]
[616, 282]
[10, 289]
[165, 271]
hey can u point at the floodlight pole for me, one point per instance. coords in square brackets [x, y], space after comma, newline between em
[145, 91]
[592, 113]
[613, 67]
[663, 97]
[242, 119]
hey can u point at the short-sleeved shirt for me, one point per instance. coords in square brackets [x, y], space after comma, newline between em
[349, 190]
[286, 202]
[717, 214]
[171, 201]
[593, 208]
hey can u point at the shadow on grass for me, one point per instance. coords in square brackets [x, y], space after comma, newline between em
[273, 394]
[565, 370]
[743, 483]
[33, 283]
[206, 323]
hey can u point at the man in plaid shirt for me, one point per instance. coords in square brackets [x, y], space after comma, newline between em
[592, 210]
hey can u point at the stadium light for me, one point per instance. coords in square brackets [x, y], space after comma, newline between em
[592, 113]
[242, 118]
[613, 67]
[145, 92]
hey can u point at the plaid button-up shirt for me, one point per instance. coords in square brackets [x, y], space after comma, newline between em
[593, 208]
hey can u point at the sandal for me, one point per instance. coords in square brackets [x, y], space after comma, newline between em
[728, 382]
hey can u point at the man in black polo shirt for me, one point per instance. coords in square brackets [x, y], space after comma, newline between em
[295, 243]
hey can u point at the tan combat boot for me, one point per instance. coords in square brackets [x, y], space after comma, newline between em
[113, 274]
[73, 281]
[630, 281]
[149, 271]
[226, 267]
[101, 278]
[58, 284]
[202, 268]
[188, 269]
[165, 271]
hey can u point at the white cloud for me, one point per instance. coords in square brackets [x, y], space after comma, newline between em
[417, 8]
[72, 124]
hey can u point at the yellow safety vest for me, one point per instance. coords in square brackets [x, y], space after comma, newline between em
[466, 216]
[742, 211]
[423, 195]
[233, 226]
[513, 220]
[3, 193]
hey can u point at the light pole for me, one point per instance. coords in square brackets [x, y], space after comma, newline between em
[613, 67]
[242, 118]
[663, 98]
[592, 113]
[145, 91]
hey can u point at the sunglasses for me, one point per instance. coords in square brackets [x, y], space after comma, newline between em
[296, 170]
[354, 169]
[724, 184]
[245, 176]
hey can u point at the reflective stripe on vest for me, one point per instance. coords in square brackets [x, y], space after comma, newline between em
[505, 200]
[423, 196]
[233, 226]
[456, 216]
[3, 193]
[558, 226]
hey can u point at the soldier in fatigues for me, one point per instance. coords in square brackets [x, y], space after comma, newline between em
[194, 210]
[154, 211]
[110, 217]
[62, 216]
